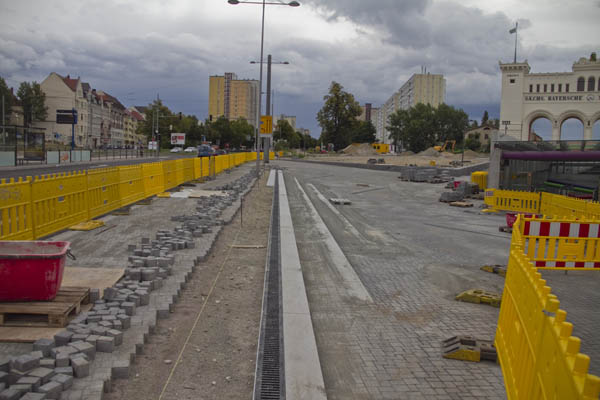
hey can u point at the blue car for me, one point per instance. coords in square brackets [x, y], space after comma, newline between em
[205, 150]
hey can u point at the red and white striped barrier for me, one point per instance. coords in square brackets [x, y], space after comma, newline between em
[550, 233]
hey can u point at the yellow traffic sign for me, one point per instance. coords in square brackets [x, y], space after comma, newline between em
[266, 124]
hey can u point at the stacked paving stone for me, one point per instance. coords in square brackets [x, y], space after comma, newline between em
[50, 369]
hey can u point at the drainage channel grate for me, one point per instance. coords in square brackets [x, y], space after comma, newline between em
[270, 381]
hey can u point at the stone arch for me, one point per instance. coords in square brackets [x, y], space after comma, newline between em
[574, 114]
[537, 114]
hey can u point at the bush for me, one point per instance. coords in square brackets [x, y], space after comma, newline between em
[473, 144]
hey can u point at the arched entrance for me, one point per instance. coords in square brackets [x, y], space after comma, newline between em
[540, 129]
[571, 129]
[596, 130]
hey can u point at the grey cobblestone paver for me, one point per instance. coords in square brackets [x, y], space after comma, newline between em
[390, 349]
[579, 295]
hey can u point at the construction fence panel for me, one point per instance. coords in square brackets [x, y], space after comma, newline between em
[188, 169]
[169, 175]
[480, 178]
[15, 210]
[509, 200]
[538, 356]
[153, 174]
[561, 243]
[197, 168]
[131, 184]
[179, 167]
[103, 191]
[592, 210]
[59, 201]
[218, 164]
[562, 206]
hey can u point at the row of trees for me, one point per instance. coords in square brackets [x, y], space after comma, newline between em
[423, 126]
[286, 138]
[417, 128]
[222, 132]
[30, 97]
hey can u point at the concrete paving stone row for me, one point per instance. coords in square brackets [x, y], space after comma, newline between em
[96, 376]
[390, 348]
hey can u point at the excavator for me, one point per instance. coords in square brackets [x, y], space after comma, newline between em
[445, 146]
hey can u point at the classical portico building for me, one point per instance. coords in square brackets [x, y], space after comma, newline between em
[556, 96]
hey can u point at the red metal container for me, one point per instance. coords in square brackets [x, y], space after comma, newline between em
[31, 270]
[456, 184]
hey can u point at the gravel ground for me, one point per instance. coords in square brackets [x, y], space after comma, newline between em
[440, 159]
[207, 348]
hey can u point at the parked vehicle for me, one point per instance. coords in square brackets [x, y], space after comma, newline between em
[190, 150]
[205, 150]
[176, 150]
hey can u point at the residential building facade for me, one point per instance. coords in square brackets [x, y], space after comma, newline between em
[291, 119]
[232, 98]
[527, 97]
[420, 88]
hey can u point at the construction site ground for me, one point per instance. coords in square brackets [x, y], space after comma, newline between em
[402, 159]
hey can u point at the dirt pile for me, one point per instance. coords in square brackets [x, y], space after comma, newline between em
[363, 149]
[430, 152]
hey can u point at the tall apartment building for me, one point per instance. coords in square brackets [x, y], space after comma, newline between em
[291, 119]
[420, 88]
[367, 112]
[232, 98]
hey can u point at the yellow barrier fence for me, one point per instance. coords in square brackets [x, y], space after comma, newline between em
[15, 210]
[480, 178]
[564, 243]
[548, 204]
[522, 202]
[539, 357]
[131, 184]
[58, 201]
[34, 208]
[153, 178]
[103, 191]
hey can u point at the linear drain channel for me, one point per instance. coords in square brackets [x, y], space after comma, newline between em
[270, 381]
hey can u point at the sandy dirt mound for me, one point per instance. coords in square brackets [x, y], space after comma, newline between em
[363, 149]
[430, 152]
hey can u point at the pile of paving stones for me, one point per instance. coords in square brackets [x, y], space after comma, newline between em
[425, 174]
[50, 368]
[464, 190]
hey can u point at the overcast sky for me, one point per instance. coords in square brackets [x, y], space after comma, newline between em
[136, 49]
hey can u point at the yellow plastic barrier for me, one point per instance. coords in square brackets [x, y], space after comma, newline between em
[561, 243]
[563, 206]
[58, 201]
[522, 202]
[131, 185]
[103, 191]
[480, 178]
[169, 175]
[153, 178]
[188, 169]
[34, 208]
[538, 356]
[15, 210]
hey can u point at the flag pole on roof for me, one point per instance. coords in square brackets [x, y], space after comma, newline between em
[514, 30]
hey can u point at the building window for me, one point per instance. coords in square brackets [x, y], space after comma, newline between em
[560, 87]
[537, 88]
[581, 84]
[591, 84]
[566, 87]
[512, 81]
[530, 88]
[545, 88]
[552, 88]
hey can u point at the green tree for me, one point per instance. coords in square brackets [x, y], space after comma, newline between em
[473, 143]
[450, 123]
[397, 128]
[364, 132]
[485, 118]
[337, 117]
[242, 131]
[33, 100]
[165, 120]
[8, 100]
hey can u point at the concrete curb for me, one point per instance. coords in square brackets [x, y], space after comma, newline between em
[399, 168]
[303, 375]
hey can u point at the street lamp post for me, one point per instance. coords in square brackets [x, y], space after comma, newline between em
[268, 106]
[262, 40]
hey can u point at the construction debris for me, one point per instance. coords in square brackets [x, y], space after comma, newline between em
[479, 296]
[467, 348]
[495, 269]
[340, 201]
[87, 226]
[462, 204]
[449, 197]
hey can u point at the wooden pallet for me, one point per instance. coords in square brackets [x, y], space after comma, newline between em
[462, 204]
[53, 313]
